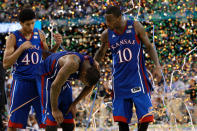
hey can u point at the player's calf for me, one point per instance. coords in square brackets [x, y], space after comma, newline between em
[143, 126]
[51, 128]
[123, 126]
[67, 126]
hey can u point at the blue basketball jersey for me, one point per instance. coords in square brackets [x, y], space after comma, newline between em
[48, 71]
[50, 66]
[25, 66]
[128, 70]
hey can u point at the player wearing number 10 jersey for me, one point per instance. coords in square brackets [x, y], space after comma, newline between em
[130, 79]
[24, 50]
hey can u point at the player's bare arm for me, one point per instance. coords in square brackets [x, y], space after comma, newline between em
[81, 96]
[100, 54]
[139, 29]
[11, 55]
[68, 64]
[58, 40]
[47, 51]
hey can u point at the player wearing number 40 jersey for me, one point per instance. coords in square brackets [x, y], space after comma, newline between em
[24, 51]
[130, 79]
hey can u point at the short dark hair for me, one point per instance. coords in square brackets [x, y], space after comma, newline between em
[92, 75]
[114, 10]
[26, 14]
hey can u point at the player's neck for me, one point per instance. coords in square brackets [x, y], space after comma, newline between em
[25, 34]
[120, 29]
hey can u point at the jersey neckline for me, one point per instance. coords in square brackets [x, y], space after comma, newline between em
[123, 30]
[24, 36]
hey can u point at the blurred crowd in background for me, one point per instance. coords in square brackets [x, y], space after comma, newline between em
[171, 27]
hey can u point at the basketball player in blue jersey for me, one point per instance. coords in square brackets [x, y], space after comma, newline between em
[23, 51]
[56, 91]
[131, 85]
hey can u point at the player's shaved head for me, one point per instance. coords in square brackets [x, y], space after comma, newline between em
[114, 10]
[92, 75]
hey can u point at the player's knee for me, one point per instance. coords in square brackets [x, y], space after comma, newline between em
[67, 126]
[123, 126]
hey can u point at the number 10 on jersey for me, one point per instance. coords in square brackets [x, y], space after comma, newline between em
[124, 55]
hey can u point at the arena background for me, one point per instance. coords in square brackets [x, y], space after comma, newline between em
[171, 27]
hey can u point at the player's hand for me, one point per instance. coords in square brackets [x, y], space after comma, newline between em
[58, 116]
[157, 73]
[27, 45]
[58, 38]
[72, 109]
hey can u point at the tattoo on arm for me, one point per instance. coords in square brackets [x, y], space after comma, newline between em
[100, 54]
[76, 59]
[66, 70]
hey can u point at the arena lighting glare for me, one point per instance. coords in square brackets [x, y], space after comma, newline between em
[11, 27]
